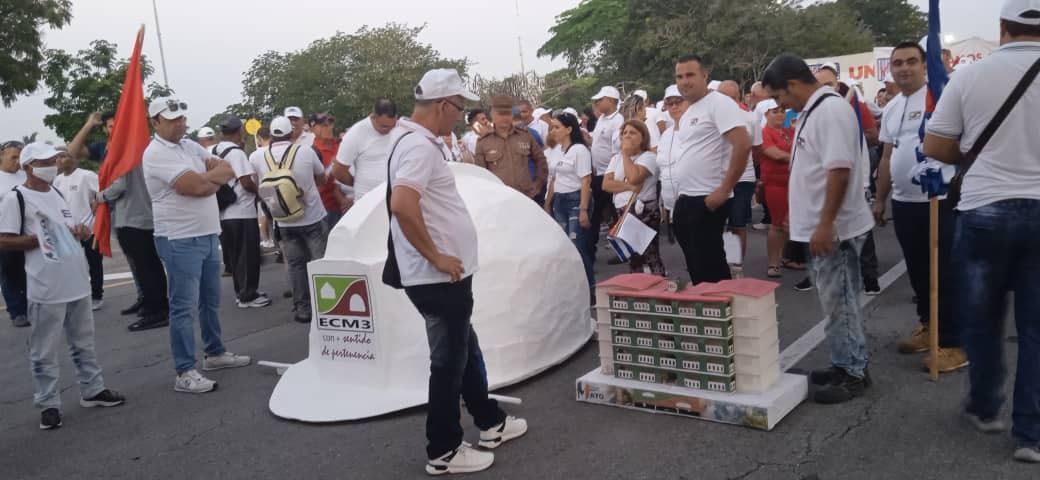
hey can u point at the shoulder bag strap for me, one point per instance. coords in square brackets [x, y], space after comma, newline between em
[803, 120]
[388, 159]
[998, 119]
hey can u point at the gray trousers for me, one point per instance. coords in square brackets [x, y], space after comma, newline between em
[301, 245]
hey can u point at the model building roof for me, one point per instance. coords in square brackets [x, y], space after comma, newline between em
[632, 281]
[746, 287]
[660, 291]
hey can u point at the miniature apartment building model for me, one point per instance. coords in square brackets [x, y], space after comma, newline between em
[720, 337]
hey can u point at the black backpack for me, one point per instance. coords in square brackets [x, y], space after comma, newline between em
[226, 195]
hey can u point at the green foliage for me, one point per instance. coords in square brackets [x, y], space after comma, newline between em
[22, 53]
[564, 88]
[89, 81]
[890, 21]
[344, 74]
[27, 139]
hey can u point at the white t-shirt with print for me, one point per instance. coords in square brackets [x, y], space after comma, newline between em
[571, 167]
[553, 156]
[178, 216]
[418, 164]
[245, 203]
[365, 151]
[603, 141]
[749, 169]
[703, 153]
[828, 139]
[666, 155]
[649, 191]
[63, 277]
[1008, 167]
[305, 167]
[79, 188]
[900, 127]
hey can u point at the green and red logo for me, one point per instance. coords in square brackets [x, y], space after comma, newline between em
[343, 303]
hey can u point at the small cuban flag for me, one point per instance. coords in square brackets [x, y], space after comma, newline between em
[932, 175]
[621, 248]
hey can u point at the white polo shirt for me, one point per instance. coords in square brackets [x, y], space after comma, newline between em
[1009, 166]
[828, 139]
[418, 163]
[305, 167]
[245, 202]
[178, 216]
[703, 153]
[900, 127]
[365, 151]
[603, 137]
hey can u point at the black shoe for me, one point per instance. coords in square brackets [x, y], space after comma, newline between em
[150, 322]
[824, 376]
[50, 419]
[132, 309]
[842, 388]
[20, 321]
[287, 294]
[804, 285]
[107, 398]
[871, 287]
[302, 319]
[279, 258]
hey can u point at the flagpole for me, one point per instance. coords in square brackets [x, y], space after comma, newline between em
[933, 297]
[162, 55]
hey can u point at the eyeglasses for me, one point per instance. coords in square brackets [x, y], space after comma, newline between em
[673, 101]
[457, 106]
[12, 144]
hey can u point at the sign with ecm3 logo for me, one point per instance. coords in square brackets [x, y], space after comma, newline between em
[344, 317]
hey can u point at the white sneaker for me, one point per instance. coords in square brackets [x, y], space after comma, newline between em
[1028, 454]
[759, 226]
[258, 302]
[96, 304]
[193, 382]
[267, 244]
[509, 429]
[224, 360]
[464, 459]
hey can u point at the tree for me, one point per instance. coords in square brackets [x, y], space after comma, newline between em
[890, 21]
[89, 81]
[21, 36]
[344, 74]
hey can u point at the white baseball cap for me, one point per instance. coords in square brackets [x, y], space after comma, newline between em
[206, 132]
[170, 108]
[443, 83]
[37, 151]
[768, 104]
[571, 111]
[672, 91]
[293, 112]
[538, 112]
[281, 126]
[607, 92]
[642, 94]
[830, 65]
[714, 85]
[1016, 10]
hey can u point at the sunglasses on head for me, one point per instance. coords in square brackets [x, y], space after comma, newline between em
[176, 105]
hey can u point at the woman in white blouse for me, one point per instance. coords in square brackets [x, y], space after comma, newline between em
[569, 199]
[634, 172]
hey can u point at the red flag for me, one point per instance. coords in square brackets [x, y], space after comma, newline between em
[130, 136]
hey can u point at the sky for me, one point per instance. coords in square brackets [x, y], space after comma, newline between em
[209, 44]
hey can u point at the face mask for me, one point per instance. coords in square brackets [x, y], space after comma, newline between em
[46, 174]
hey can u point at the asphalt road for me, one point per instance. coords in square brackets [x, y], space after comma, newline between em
[906, 427]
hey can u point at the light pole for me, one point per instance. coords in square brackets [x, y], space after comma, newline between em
[162, 55]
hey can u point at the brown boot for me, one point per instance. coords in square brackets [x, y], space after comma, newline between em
[950, 359]
[917, 343]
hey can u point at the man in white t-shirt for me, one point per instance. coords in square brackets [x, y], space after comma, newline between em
[900, 135]
[300, 134]
[80, 186]
[758, 109]
[828, 210]
[710, 158]
[12, 262]
[435, 244]
[361, 160]
[998, 222]
[744, 191]
[182, 179]
[655, 118]
[207, 137]
[239, 229]
[667, 154]
[541, 122]
[603, 149]
[478, 123]
[303, 239]
[36, 220]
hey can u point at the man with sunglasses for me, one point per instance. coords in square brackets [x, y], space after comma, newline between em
[437, 273]
[12, 262]
[182, 179]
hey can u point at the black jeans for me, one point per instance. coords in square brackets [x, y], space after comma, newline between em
[240, 241]
[97, 273]
[139, 245]
[699, 232]
[602, 201]
[12, 282]
[911, 222]
[868, 262]
[456, 364]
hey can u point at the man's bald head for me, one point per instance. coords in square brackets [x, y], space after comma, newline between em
[730, 89]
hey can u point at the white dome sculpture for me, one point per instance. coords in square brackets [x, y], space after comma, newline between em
[368, 351]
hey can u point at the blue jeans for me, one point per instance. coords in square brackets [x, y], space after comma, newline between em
[998, 251]
[456, 364]
[838, 282]
[566, 209]
[48, 320]
[193, 271]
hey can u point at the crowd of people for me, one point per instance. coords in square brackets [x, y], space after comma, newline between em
[822, 161]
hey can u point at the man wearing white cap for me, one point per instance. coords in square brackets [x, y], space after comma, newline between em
[608, 127]
[207, 137]
[998, 221]
[300, 136]
[35, 219]
[12, 263]
[540, 123]
[675, 105]
[182, 179]
[435, 244]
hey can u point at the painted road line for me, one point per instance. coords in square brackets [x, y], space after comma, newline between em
[796, 351]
